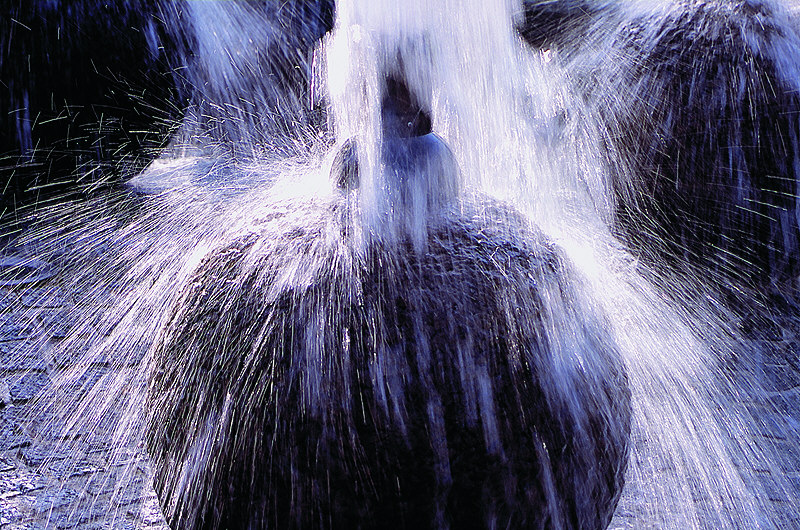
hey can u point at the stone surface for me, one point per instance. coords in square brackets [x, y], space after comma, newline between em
[27, 385]
[92, 487]
[90, 96]
[434, 380]
[11, 434]
[17, 356]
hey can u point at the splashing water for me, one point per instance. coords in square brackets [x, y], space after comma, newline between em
[518, 133]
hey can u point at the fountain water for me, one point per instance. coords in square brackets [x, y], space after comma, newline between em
[530, 153]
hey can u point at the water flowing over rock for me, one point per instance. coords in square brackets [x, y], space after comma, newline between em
[451, 264]
[304, 381]
[699, 110]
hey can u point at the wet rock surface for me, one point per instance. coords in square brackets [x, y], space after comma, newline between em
[90, 95]
[706, 172]
[44, 484]
[308, 382]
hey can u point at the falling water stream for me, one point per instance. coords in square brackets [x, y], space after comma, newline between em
[520, 136]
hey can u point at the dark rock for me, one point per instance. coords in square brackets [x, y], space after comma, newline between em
[701, 111]
[410, 148]
[306, 381]
[558, 24]
[251, 84]
[403, 115]
[90, 93]
[92, 90]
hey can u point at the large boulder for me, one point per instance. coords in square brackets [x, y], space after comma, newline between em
[699, 111]
[712, 176]
[93, 90]
[560, 24]
[314, 376]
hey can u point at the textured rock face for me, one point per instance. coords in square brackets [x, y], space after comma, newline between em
[714, 170]
[699, 109]
[308, 381]
[561, 23]
[252, 83]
